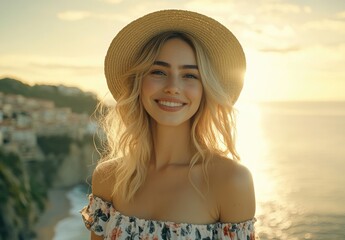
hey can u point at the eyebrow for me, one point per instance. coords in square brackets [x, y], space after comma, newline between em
[165, 64]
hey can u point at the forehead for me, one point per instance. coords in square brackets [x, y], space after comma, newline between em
[177, 50]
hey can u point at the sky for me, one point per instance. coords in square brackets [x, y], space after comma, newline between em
[295, 49]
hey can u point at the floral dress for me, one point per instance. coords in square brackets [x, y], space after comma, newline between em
[102, 218]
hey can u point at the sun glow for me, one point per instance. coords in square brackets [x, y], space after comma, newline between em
[255, 82]
[253, 149]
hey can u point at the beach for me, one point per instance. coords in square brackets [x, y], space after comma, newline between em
[72, 227]
[57, 208]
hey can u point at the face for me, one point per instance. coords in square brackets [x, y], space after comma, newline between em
[172, 90]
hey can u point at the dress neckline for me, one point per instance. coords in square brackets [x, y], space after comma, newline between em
[117, 213]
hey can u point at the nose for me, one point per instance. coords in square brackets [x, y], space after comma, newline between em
[172, 86]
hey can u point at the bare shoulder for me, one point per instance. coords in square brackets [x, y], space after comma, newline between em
[234, 189]
[103, 179]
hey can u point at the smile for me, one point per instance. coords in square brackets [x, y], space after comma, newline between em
[170, 104]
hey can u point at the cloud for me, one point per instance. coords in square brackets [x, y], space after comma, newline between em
[112, 1]
[83, 72]
[281, 50]
[276, 31]
[320, 61]
[36, 64]
[209, 6]
[270, 37]
[326, 25]
[73, 15]
[283, 8]
[81, 15]
[340, 15]
[69, 67]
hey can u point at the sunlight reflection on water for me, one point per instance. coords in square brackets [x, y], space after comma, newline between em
[295, 155]
[253, 149]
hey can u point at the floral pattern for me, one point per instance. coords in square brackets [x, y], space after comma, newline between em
[102, 218]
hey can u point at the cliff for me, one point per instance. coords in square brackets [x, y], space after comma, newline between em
[77, 166]
[53, 121]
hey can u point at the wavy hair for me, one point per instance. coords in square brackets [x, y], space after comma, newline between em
[212, 130]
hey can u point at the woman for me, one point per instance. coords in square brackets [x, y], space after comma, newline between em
[171, 170]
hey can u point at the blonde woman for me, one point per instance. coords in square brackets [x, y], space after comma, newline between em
[171, 170]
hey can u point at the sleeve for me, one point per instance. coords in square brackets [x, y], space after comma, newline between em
[96, 215]
[238, 231]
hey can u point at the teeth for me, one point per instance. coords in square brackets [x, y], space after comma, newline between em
[170, 104]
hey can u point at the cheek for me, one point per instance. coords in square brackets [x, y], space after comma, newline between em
[145, 87]
[148, 87]
[195, 92]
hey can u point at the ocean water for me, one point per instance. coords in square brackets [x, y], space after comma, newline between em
[296, 153]
[72, 227]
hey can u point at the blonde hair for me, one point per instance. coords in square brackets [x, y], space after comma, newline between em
[212, 131]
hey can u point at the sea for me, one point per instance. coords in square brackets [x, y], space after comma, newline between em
[296, 153]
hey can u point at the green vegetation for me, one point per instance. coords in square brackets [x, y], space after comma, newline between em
[79, 102]
[23, 193]
[17, 197]
[57, 145]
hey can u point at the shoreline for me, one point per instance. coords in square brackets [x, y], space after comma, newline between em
[57, 208]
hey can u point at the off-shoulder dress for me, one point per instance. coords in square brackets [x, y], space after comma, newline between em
[101, 217]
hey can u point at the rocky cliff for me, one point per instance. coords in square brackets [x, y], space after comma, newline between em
[77, 166]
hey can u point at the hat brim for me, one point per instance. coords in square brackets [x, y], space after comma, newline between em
[222, 47]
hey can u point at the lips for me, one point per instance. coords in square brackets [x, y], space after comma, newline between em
[170, 104]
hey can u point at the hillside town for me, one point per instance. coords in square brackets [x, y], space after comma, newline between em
[23, 119]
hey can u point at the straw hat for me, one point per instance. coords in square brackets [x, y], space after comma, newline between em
[222, 47]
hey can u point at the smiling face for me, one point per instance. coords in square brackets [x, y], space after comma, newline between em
[172, 90]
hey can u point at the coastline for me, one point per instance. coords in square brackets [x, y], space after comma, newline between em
[57, 208]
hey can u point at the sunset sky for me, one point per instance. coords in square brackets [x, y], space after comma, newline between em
[295, 48]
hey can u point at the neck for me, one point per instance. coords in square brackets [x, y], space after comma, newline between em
[172, 145]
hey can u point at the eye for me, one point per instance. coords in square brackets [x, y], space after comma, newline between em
[158, 72]
[191, 76]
